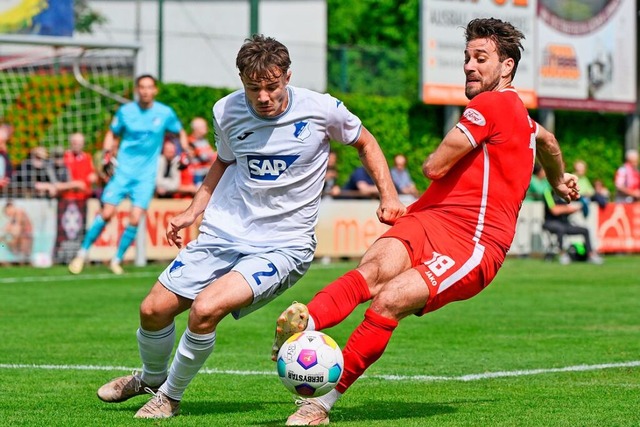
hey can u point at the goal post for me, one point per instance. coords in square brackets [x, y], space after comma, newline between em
[52, 87]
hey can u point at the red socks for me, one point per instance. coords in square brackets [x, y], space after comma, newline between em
[336, 301]
[365, 345]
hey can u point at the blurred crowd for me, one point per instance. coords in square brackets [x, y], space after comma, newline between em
[559, 215]
[74, 174]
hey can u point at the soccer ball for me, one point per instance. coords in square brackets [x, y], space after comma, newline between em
[310, 364]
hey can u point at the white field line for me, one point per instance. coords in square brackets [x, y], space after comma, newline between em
[78, 278]
[416, 378]
[102, 276]
[105, 276]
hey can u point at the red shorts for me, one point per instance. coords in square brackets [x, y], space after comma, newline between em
[453, 265]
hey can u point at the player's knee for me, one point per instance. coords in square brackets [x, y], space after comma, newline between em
[205, 315]
[151, 314]
[387, 304]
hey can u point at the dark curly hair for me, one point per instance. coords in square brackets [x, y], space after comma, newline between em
[506, 37]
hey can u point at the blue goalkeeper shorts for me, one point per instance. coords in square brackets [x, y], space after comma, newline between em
[139, 191]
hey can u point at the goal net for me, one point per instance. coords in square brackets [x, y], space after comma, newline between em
[54, 87]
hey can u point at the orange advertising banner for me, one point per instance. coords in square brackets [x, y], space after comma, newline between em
[158, 216]
[619, 228]
[346, 228]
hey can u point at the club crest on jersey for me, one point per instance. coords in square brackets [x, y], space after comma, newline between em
[302, 131]
[176, 268]
[269, 168]
[474, 116]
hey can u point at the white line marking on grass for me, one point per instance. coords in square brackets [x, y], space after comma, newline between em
[419, 378]
[70, 278]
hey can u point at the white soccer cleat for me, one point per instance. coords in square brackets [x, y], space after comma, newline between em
[123, 388]
[115, 267]
[160, 406]
[76, 265]
[309, 413]
[293, 320]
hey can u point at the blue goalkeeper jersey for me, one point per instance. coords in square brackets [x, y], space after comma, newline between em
[141, 135]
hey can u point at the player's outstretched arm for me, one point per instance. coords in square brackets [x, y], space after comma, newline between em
[373, 160]
[550, 157]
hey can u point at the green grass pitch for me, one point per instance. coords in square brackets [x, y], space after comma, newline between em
[544, 345]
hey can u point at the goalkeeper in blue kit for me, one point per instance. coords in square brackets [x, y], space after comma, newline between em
[137, 132]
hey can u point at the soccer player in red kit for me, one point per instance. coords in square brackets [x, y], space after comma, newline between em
[453, 240]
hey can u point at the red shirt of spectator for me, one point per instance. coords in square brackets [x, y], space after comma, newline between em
[80, 165]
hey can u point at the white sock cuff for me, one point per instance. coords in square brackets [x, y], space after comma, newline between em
[328, 400]
[200, 340]
[311, 324]
[157, 334]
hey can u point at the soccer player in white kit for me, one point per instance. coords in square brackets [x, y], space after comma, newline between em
[260, 201]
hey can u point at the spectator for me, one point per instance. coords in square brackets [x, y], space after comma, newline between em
[202, 154]
[586, 189]
[331, 187]
[360, 185]
[627, 179]
[187, 186]
[35, 169]
[81, 169]
[401, 178]
[538, 183]
[168, 178]
[60, 176]
[5, 162]
[556, 221]
[602, 194]
[18, 232]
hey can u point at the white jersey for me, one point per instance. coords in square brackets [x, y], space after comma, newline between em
[270, 197]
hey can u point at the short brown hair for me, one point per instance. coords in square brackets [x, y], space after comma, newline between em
[146, 76]
[506, 37]
[262, 57]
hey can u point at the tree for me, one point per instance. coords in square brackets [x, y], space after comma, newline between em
[375, 45]
[85, 17]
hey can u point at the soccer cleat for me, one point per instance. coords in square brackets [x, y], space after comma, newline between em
[293, 320]
[160, 406]
[115, 267]
[309, 413]
[76, 265]
[123, 388]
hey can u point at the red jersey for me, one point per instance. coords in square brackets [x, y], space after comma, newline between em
[481, 195]
[80, 167]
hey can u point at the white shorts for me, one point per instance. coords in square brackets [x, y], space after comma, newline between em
[269, 271]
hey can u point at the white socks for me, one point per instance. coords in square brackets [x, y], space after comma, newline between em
[311, 324]
[193, 350]
[155, 350]
[328, 400]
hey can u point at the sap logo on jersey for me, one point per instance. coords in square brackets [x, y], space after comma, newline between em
[269, 168]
